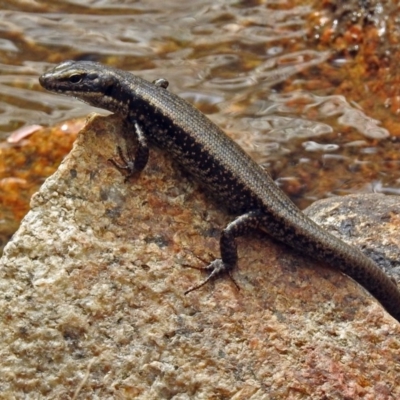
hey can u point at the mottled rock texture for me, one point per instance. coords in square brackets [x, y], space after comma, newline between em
[92, 303]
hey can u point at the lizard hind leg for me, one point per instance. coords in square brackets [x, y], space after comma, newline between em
[228, 261]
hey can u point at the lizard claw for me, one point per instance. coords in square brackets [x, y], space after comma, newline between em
[127, 166]
[216, 267]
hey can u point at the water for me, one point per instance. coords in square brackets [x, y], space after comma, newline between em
[252, 66]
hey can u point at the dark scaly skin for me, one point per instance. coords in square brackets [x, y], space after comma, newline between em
[165, 120]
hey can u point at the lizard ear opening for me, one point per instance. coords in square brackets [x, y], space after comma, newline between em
[108, 85]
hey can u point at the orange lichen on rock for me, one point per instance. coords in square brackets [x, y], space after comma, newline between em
[363, 41]
[26, 160]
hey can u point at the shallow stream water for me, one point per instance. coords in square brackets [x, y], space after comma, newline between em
[262, 70]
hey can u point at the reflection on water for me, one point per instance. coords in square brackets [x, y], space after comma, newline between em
[203, 46]
[246, 64]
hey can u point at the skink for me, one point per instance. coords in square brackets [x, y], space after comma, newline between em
[160, 118]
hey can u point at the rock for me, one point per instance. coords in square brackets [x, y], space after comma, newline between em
[93, 306]
[369, 221]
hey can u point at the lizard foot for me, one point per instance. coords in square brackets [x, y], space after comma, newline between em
[216, 268]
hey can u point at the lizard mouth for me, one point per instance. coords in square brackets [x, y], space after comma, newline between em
[49, 83]
[45, 82]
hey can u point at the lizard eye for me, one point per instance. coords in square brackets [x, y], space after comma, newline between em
[76, 78]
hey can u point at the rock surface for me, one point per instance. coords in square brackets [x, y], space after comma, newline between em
[92, 303]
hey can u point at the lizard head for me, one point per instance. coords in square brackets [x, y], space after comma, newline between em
[88, 81]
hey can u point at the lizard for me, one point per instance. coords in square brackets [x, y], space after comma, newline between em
[162, 119]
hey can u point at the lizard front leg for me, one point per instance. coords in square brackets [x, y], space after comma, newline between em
[133, 164]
